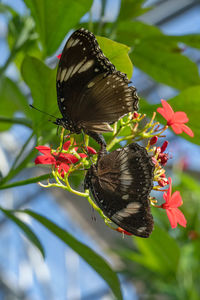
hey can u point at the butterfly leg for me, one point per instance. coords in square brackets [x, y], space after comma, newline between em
[100, 140]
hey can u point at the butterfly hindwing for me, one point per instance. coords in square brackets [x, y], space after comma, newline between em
[91, 92]
[121, 183]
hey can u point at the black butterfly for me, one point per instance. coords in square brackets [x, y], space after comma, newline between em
[91, 93]
[120, 183]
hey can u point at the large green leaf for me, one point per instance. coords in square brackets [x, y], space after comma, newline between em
[55, 18]
[91, 257]
[12, 100]
[117, 54]
[25, 228]
[158, 55]
[172, 69]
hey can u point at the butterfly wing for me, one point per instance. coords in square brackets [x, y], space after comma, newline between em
[90, 91]
[121, 186]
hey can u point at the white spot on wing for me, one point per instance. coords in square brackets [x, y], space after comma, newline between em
[78, 66]
[86, 66]
[62, 75]
[69, 43]
[58, 75]
[125, 197]
[91, 84]
[62, 99]
[141, 229]
[68, 74]
[72, 43]
[131, 209]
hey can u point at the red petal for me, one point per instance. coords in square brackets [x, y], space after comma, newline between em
[91, 150]
[66, 145]
[67, 158]
[165, 198]
[172, 217]
[82, 155]
[63, 167]
[175, 200]
[169, 191]
[187, 130]
[180, 117]
[167, 108]
[45, 160]
[44, 149]
[180, 217]
[177, 128]
[161, 111]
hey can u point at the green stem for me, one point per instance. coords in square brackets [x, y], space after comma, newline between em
[114, 140]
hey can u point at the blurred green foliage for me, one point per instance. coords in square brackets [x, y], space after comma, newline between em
[169, 261]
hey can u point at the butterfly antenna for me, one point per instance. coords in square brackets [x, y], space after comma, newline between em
[44, 112]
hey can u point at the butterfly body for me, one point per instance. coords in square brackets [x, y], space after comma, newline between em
[120, 183]
[91, 93]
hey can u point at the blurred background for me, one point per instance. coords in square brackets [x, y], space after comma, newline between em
[165, 41]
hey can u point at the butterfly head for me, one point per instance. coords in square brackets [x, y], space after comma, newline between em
[65, 123]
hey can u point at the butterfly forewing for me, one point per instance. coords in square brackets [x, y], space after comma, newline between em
[90, 90]
[121, 183]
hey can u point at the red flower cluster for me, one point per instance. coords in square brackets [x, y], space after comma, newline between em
[176, 120]
[61, 161]
[172, 202]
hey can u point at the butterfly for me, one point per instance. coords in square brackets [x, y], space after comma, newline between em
[120, 183]
[91, 93]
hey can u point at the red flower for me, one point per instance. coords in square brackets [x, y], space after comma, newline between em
[119, 229]
[61, 161]
[175, 119]
[172, 202]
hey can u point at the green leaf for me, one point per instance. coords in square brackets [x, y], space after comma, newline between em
[193, 40]
[55, 18]
[12, 100]
[131, 9]
[172, 69]
[25, 228]
[25, 182]
[158, 55]
[92, 258]
[13, 172]
[42, 83]
[159, 253]
[117, 54]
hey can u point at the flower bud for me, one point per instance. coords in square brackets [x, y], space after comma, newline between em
[153, 140]
[164, 146]
[135, 115]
